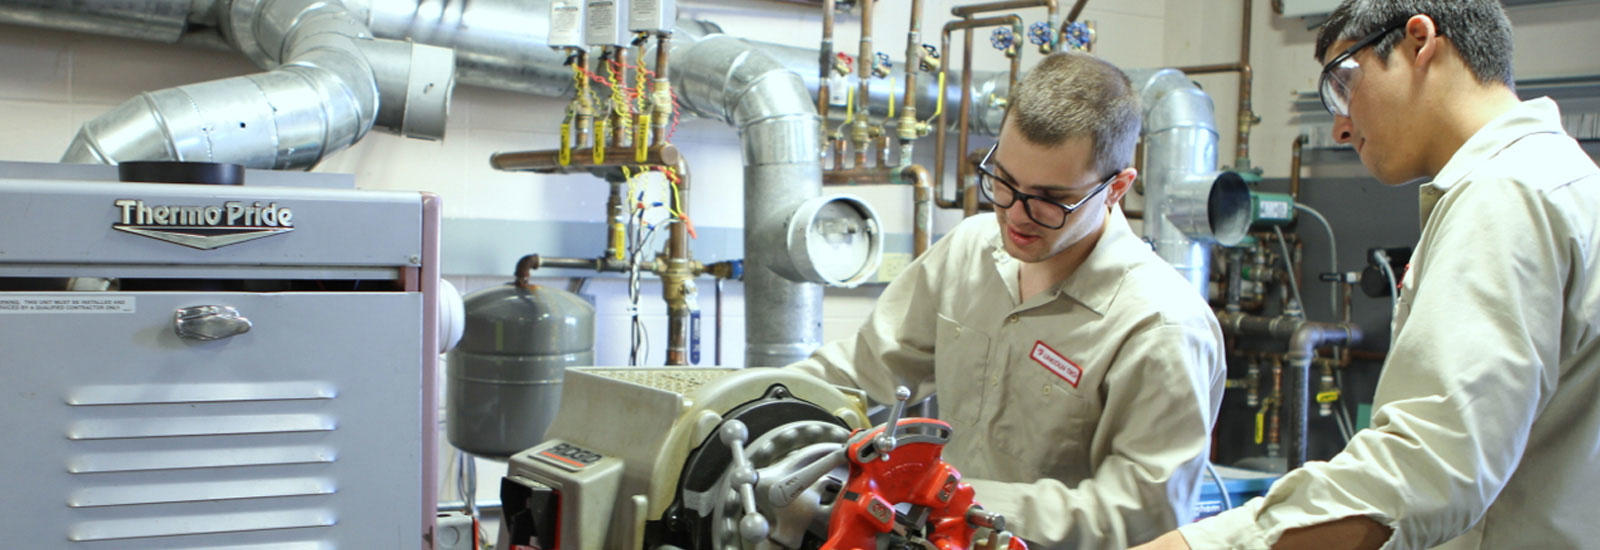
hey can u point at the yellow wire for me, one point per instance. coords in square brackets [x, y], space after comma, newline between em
[938, 108]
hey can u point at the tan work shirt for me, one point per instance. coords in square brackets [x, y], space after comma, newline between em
[1486, 423]
[1083, 414]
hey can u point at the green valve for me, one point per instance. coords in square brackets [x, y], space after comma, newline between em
[1271, 208]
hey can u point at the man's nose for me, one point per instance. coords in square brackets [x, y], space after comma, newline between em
[1343, 129]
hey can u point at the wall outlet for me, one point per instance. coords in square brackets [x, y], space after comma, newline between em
[891, 266]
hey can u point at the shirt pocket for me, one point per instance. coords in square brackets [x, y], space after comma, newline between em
[1044, 423]
[959, 358]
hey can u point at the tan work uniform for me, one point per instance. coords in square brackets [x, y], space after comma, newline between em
[1486, 423]
[1083, 414]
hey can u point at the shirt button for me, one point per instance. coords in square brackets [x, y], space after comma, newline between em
[1047, 389]
[1011, 319]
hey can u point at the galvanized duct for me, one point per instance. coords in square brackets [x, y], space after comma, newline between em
[725, 78]
[500, 44]
[161, 20]
[1188, 203]
[329, 83]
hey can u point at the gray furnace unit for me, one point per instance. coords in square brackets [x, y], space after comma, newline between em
[191, 366]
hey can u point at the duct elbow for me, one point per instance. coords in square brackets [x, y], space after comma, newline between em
[414, 83]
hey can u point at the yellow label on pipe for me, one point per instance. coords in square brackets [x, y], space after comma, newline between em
[619, 236]
[600, 140]
[564, 152]
[1328, 396]
[641, 133]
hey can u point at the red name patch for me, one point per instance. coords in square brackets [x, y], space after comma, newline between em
[1056, 363]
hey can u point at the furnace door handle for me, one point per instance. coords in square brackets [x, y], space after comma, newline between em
[207, 323]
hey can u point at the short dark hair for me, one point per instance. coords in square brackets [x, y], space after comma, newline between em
[1479, 29]
[1071, 94]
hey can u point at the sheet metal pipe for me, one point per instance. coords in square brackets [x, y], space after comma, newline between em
[724, 78]
[158, 20]
[960, 198]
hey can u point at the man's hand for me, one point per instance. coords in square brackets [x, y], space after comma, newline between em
[1170, 541]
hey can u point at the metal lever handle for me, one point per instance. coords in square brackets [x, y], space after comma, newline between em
[886, 441]
[208, 323]
[753, 527]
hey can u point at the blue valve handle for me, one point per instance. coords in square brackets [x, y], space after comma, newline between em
[1039, 33]
[1002, 38]
[1077, 35]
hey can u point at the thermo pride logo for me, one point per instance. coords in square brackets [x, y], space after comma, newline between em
[203, 227]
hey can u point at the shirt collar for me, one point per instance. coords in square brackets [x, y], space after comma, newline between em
[1535, 116]
[1096, 281]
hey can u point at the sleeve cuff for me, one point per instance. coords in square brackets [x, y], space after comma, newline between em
[1234, 529]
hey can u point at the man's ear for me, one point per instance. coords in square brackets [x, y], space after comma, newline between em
[1422, 34]
[1120, 186]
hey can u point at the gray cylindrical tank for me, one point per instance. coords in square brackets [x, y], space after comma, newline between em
[505, 375]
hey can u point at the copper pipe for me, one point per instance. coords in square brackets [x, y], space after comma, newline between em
[969, 10]
[663, 109]
[921, 207]
[907, 126]
[585, 116]
[1050, 7]
[859, 175]
[616, 219]
[825, 63]
[860, 131]
[1077, 9]
[921, 194]
[678, 234]
[965, 200]
[1247, 116]
[620, 136]
[546, 161]
[1294, 166]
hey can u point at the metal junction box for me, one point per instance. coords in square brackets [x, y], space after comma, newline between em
[197, 366]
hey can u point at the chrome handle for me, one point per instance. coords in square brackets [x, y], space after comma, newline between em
[209, 322]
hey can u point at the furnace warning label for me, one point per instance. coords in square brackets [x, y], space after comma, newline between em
[35, 303]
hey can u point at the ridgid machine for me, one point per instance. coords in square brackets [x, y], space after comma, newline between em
[735, 458]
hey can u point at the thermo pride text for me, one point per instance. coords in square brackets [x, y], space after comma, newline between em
[231, 213]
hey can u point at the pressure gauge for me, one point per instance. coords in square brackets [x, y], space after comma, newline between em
[835, 240]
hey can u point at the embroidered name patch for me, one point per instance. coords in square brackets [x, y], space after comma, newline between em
[1056, 363]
